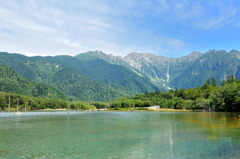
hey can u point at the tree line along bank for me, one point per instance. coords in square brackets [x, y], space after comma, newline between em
[210, 97]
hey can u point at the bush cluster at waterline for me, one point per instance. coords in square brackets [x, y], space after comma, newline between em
[209, 97]
[10, 100]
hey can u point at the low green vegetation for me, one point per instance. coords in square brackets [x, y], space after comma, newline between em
[82, 106]
[209, 97]
[31, 103]
[34, 96]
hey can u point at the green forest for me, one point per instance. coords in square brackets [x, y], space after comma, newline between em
[209, 97]
[12, 82]
[76, 78]
[10, 100]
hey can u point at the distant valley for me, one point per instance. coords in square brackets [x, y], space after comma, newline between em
[96, 76]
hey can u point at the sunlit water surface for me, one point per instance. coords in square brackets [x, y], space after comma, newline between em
[120, 135]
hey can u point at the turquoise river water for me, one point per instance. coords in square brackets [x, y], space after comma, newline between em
[166, 135]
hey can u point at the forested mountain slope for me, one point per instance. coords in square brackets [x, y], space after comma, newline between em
[98, 76]
[103, 71]
[11, 82]
[80, 87]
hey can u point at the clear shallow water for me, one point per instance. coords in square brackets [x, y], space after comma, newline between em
[120, 135]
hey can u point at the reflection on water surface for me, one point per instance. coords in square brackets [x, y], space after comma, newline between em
[119, 135]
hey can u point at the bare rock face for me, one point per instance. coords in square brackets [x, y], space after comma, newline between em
[187, 71]
[183, 72]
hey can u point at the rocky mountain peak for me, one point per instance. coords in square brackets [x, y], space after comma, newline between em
[195, 53]
[216, 52]
[234, 52]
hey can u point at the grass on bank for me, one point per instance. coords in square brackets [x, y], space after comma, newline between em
[147, 109]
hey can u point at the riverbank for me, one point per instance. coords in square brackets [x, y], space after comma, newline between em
[116, 109]
[50, 109]
[147, 109]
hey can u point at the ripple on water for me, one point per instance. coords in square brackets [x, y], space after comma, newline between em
[118, 135]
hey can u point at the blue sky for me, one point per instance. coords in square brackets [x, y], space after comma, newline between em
[171, 28]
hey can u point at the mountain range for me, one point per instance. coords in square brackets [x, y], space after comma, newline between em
[96, 76]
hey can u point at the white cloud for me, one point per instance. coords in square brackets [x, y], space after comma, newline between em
[199, 14]
[13, 21]
[211, 23]
[238, 24]
[100, 24]
[42, 28]
[69, 42]
[174, 43]
[119, 27]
